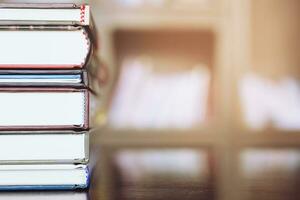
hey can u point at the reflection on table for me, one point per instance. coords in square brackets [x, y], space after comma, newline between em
[271, 173]
[163, 173]
[183, 173]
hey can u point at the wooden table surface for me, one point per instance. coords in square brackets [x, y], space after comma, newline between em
[182, 170]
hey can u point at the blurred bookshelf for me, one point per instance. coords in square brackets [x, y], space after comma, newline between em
[271, 77]
[230, 40]
[173, 44]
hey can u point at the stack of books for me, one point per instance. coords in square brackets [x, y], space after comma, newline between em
[47, 56]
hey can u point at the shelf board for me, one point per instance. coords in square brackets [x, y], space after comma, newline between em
[268, 139]
[110, 137]
[194, 137]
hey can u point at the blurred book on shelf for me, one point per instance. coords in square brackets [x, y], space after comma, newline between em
[266, 102]
[159, 100]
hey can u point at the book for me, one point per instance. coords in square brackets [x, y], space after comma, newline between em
[43, 177]
[45, 195]
[44, 108]
[18, 78]
[44, 147]
[30, 13]
[266, 102]
[54, 78]
[142, 91]
[44, 47]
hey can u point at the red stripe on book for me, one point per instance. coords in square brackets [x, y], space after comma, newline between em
[82, 13]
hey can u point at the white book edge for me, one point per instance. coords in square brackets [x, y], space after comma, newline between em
[45, 147]
[44, 49]
[38, 15]
[43, 175]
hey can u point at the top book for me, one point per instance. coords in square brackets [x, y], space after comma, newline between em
[46, 36]
[44, 14]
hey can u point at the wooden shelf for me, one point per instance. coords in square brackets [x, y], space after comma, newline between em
[231, 22]
[127, 138]
[140, 8]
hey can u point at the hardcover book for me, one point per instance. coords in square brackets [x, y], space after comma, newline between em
[44, 109]
[43, 177]
[53, 78]
[45, 195]
[30, 13]
[44, 147]
[46, 47]
[20, 78]
[46, 36]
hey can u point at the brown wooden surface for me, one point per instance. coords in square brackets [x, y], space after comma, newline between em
[109, 182]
